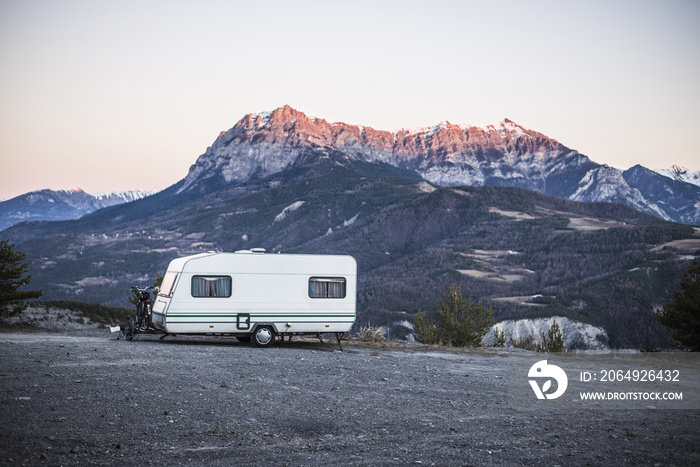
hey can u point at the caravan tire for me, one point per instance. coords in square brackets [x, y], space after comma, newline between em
[263, 336]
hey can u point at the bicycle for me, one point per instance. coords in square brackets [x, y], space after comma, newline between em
[142, 321]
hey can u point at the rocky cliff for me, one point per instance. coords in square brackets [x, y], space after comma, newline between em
[505, 154]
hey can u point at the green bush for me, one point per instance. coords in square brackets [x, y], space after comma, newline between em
[460, 322]
[425, 329]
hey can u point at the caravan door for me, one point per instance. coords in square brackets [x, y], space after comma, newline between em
[160, 307]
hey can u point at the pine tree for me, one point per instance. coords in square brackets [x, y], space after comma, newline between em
[682, 317]
[553, 341]
[460, 321]
[11, 271]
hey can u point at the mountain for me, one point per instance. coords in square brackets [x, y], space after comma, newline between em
[681, 200]
[291, 183]
[506, 154]
[51, 205]
[681, 174]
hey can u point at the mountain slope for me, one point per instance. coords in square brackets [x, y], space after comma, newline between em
[412, 240]
[52, 205]
[681, 200]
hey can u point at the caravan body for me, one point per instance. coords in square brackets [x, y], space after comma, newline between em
[238, 293]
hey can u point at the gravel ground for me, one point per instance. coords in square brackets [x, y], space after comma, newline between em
[86, 398]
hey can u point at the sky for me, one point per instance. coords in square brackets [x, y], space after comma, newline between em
[126, 95]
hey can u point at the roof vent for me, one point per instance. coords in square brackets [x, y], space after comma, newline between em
[258, 250]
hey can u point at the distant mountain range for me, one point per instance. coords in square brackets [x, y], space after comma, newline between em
[401, 204]
[505, 154]
[58, 205]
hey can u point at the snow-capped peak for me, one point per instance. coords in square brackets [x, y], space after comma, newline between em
[506, 126]
[512, 127]
[265, 115]
[680, 173]
[126, 195]
[431, 130]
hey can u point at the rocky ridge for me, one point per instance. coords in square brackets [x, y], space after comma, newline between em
[506, 154]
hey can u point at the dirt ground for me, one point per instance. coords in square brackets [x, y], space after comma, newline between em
[82, 398]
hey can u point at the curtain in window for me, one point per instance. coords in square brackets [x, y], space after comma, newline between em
[326, 288]
[211, 286]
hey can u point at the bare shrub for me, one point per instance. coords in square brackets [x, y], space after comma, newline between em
[371, 333]
[529, 342]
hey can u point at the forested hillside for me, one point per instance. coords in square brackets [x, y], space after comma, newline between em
[524, 253]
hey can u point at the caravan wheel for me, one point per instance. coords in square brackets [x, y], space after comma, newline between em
[263, 336]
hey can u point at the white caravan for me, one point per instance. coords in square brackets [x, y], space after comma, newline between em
[252, 295]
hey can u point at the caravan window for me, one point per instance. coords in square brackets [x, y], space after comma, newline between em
[327, 287]
[211, 286]
[166, 288]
